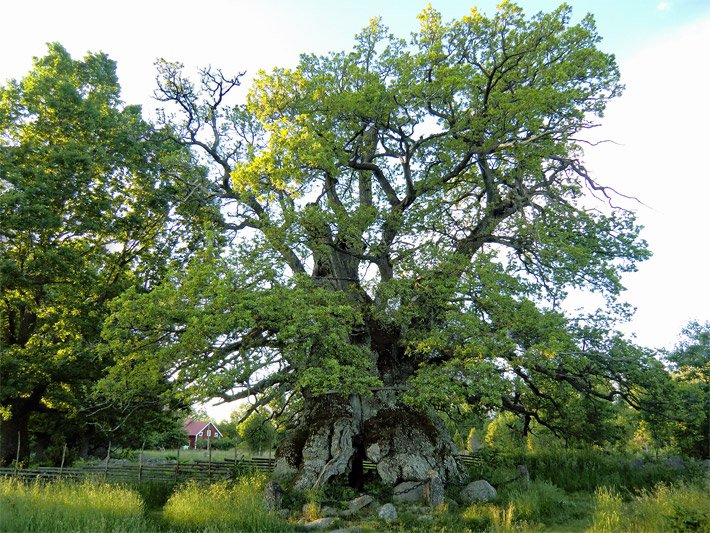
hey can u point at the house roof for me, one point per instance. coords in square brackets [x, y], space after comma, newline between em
[193, 427]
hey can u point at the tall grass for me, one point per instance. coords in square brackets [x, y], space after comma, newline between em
[608, 510]
[665, 508]
[61, 506]
[580, 469]
[223, 506]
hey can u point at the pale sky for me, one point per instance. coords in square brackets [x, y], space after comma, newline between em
[660, 124]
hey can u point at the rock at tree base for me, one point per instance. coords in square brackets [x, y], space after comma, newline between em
[523, 476]
[433, 490]
[329, 511]
[478, 491]
[409, 491]
[360, 503]
[387, 512]
[273, 496]
[321, 523]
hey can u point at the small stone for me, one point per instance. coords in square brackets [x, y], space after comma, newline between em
[360, 503]
[321, 523]
[408, 491]
[434, 490]
[523, 476]
[273, 496]
[329, 511]
[478, 491]
[387, 512]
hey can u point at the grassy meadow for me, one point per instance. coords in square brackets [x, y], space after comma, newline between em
[576, 492]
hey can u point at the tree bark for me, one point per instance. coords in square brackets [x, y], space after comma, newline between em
[337, 433]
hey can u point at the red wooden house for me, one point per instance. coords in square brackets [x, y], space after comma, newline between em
[201, 430]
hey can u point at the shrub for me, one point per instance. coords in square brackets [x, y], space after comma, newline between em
[223, 444]
[154, 493]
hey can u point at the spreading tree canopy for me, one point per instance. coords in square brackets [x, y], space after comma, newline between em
[405, 220]
[87, 208]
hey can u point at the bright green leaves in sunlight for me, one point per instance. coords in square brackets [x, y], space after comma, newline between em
[407, 214]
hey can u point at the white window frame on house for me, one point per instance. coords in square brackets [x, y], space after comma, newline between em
[209, 432]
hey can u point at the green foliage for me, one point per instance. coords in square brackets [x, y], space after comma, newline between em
[69, 506]
[406, 214]
[85, 212]
[504, 434]
[691, 373]
[257, 431]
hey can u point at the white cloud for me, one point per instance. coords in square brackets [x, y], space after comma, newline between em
[664, 6]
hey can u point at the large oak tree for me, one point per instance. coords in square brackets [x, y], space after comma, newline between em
[405, 219]
[87, 208]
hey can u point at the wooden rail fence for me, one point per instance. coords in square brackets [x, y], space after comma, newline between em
[167, 472]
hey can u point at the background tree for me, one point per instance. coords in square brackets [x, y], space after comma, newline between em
[691, 373]
[257, 431]
[87, 209]
[405, 220]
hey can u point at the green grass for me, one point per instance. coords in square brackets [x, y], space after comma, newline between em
[680, 505]
[664, 508]
[191, 454]
[223, 506]
[61, 506]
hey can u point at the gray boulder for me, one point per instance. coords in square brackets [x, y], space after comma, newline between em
[273, 496]
[409, 491]
[387, 512]
[478, 491]
[321, 523]
[523, 476]
[359, 503]
[328, 511]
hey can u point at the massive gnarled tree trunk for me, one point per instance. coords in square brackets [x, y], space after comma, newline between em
[337, 433]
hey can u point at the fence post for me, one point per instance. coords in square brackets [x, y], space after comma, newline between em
[64, 454]
[209, 459]
[108, 458]
[177, 464]
[17, 457]
[140, 464]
